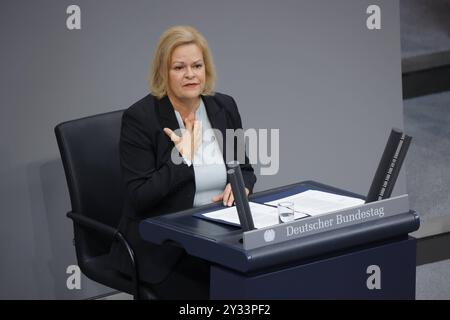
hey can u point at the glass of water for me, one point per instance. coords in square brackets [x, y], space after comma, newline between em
[285, 211]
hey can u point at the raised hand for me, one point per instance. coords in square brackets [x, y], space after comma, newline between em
[190, 139]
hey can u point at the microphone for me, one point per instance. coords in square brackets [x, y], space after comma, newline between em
[240, 197]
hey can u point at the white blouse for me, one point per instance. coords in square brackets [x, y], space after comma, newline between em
[209, 167]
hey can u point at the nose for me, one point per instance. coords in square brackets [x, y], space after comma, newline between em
[189, 72]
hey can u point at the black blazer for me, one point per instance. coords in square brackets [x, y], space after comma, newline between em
[154, 184]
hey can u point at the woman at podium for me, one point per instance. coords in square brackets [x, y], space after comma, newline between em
[173, 154]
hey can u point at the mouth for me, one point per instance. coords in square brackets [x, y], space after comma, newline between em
[191, 85]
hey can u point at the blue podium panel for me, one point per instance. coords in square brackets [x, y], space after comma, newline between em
[384, 271]
[328, 265]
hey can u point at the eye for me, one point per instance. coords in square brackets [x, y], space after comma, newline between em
[198, 66]
[178, 68]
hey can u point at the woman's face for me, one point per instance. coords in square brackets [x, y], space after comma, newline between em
[187, 72]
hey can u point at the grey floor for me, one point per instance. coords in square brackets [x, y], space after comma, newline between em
[427, 120]
[425, 29]
[433, 281]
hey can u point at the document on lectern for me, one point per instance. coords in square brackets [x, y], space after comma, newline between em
[306, 204]
[314, 202]
[263, 215]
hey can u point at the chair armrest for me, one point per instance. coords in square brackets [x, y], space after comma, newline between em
[93, 224]
[115, 235]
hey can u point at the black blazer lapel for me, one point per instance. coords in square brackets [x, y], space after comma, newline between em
[167, 119]
[166, 114]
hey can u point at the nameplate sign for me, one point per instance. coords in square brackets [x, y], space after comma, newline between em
[326, 222]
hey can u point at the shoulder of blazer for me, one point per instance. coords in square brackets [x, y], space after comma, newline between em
[142, 107]
[142, 112]
[229, 105]
[225, 101]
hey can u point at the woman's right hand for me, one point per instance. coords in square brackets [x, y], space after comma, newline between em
[190, 139]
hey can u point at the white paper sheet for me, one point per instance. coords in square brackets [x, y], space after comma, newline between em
[263, 215]
[314, 202]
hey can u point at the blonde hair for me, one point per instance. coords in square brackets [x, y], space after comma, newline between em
[168, 42]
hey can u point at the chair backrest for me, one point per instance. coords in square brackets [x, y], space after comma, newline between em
[89, 150]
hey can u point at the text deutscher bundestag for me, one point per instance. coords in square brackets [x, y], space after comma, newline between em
[339, 219]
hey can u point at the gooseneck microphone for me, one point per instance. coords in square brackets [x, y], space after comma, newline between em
[240, 197]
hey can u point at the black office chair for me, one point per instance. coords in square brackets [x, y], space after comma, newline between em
[89, 150]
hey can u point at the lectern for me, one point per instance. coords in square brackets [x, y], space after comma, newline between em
[371, 259]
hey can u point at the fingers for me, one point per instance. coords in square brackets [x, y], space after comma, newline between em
[231, 199]
[172, 135]
[189, 123]
[219, 197]
[228, 197]
[188, 136]
[197, 128]
[197, 135]
[181, 143]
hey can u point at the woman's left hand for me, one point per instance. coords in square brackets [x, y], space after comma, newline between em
[227, 196]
